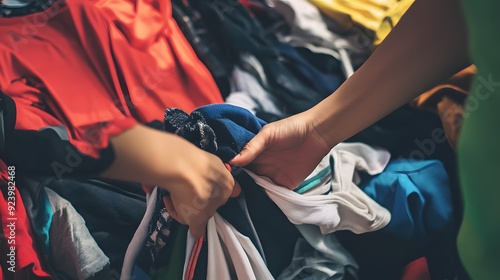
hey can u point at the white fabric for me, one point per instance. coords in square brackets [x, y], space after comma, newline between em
[139, 239]
[243, 100]
[261, 100]
[217, 264]
[241, 254]
[346, 207]
[190, 240]
[307, 26]
[252, 65]
[306, 22]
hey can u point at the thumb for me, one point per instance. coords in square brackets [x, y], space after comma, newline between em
[251, 150]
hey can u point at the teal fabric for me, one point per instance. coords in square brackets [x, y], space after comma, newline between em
[41, 219]
[313, 182]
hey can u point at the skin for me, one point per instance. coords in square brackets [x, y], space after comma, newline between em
[427, 46]
[198, 182]
[414, 57]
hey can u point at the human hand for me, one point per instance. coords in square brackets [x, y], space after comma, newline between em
[198, 188]
[198, 182]
[286, 151]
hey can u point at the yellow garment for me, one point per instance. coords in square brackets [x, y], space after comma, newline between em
[392, 16]
[367, 13]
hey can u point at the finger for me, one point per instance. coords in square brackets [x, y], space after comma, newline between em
[236, 190]
[167, 200]
[251, 150]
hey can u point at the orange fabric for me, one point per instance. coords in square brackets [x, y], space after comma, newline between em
[456, 87]
[452, 116]
[447, 101]
[97, 67]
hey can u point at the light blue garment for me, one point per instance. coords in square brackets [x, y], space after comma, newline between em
[417, 194]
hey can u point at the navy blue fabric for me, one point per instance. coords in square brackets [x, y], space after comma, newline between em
[418, 196]
[325, 84]
[233, 127]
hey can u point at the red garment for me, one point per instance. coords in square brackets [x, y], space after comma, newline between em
[27, 260]
[97, 67]
[246, 3]
[417, 270]
[193, 258]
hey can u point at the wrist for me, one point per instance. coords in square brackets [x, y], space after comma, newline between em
[171, 165]
[320, 123]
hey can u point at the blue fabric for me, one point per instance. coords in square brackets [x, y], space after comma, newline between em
[139, 274]
[418, 196]
[323, 83]
[233, 127]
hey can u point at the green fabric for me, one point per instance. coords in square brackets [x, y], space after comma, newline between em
[174, 258]
[479, 145]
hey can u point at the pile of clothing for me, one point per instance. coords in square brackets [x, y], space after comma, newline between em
[383, 205]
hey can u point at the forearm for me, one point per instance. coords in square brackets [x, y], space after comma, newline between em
[198, 181]
[148, 156]
[427, 46]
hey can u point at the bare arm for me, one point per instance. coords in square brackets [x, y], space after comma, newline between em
[198, 182]
[427, 46]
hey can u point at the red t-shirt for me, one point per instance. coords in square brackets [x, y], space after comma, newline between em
[97, 67]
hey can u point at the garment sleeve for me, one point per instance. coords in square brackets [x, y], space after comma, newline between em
[38, 144]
